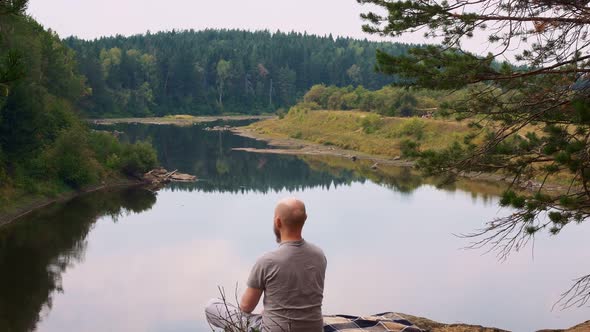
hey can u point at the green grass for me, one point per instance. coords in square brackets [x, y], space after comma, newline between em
[379, 135]
[364, 132]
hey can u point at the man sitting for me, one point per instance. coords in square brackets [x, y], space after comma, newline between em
[291, 278]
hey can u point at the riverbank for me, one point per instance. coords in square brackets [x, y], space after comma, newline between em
[369, 164]
[360, 135]
[365, 132]
[181, 120]
[25, 205]
[153, 180]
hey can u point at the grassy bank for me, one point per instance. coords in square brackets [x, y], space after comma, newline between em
[365, 132]
[387, 137]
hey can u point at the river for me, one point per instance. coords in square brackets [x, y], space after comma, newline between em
[133, 260]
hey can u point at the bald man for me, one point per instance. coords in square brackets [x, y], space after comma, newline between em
[291, 278]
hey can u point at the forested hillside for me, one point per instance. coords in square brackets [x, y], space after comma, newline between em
[219, 71]
[44, 146]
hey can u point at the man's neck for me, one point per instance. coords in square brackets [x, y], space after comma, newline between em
[291, 238]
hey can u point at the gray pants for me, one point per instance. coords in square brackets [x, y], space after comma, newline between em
[230, 318]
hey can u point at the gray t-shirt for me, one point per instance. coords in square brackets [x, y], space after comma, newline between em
[292, 278]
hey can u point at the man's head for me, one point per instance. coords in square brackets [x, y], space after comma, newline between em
[289, 219]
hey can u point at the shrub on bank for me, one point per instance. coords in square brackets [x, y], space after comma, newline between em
[71, 159]
[131, 159]
[138, 158]
[413, 127]
[370, 123]
[409, 148]
[79, 158]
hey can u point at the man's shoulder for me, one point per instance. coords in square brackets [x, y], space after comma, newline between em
[314, 247]
[269, 258]
[283, 253]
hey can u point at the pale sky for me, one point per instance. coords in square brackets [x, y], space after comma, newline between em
[89, 19]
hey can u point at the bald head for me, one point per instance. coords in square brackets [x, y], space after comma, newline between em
[291, 212]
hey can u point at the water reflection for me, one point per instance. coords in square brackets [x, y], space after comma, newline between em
[155, 271]
[120, 261]
[209, 155]
[37, 250]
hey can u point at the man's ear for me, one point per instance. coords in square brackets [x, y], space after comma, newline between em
[278, 222]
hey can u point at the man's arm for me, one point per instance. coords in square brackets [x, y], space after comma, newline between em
[250, 299]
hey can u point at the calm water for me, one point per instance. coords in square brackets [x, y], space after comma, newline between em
[131, 260]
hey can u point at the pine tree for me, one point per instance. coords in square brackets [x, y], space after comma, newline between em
[534, 115]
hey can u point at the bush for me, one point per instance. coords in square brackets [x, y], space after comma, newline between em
[310, 106]
[414, 127]
[316, 94]
[137, 158]
[409, 148]
[281, 113]
[71, 159]
[371, 123]
[104, 145]
[131, 159]
[335, 101]
[407, 110]
[300, 110]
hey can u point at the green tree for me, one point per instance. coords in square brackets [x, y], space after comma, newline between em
[286, 78]
[11, 65]
[355, 74]
[536, 111]
[223, 73]
[45, 148]
[13, 7]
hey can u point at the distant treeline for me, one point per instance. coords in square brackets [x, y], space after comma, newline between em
[215, 71]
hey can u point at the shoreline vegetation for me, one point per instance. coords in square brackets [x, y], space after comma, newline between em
[24, 207]
[47, 152]
[152, 181]
[381, 141]
[392, 141]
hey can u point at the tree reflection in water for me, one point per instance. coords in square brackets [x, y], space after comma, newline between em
[37, 249]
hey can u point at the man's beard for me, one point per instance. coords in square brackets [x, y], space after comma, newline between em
[277, 234]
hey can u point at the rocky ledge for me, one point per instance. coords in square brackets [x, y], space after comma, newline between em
[432, 326]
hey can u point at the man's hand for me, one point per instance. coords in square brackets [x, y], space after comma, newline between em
[250, 299]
